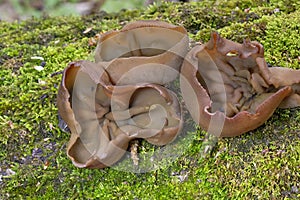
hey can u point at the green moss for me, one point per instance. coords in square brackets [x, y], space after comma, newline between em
[282, 40]
[262, 164]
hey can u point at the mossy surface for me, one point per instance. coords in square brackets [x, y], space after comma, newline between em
[261, 164]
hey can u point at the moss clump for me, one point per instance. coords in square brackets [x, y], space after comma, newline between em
[283, 50]
[262, 164]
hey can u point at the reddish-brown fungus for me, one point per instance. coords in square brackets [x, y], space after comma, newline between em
[229, 89]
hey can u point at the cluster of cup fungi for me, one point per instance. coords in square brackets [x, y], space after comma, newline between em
[227, 87]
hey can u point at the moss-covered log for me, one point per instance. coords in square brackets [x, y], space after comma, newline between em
[262, 164]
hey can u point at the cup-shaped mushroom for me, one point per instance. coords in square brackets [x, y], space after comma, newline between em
[104, 118]
[152, 109]
[228, 88]
[143, 52]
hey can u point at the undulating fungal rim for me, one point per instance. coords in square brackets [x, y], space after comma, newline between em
[229, 90]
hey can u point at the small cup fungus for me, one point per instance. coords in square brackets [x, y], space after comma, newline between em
[229, 89]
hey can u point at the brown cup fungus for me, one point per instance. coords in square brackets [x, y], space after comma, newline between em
[103, 118]
[229, 89]
[121, 97]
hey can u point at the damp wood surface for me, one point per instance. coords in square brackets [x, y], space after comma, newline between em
[261, 164]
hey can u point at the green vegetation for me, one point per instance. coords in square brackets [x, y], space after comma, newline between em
[262, 164]
[67, 7]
